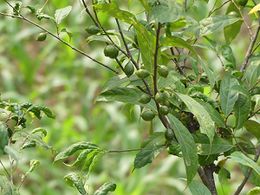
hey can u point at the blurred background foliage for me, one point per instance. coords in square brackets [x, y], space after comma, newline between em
[51, 74]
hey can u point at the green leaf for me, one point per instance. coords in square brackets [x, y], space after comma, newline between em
[231, 31]
[121, 94]
[198, 188]
[214, 114]
[253, 127]
[74, 148]
[75, 180]
[178, 42]
[215, 23]
[61, 14]
[227, 53]
[207, 125]
[40, 130]
[210, 73]
[90, 161]
[228, 94]
[252, 73]
[146, 43]
[242, 109]
[106, 188]
[240, 158]
[146, 40]
[3, 138]
[165, 11]
[150, 149]
[82, 157]
[188, 147]
[255, 190]
[218, 146]
[223, 175]
[113, 10]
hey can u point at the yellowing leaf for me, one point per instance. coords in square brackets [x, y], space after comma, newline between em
[255, 9]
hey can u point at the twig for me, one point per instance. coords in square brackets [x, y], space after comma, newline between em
[59, 39]
[155, 64]
[176, 62]
[88, 12]
[250, 49]
[248, 174]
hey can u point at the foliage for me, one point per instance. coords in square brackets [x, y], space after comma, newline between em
[202, 110]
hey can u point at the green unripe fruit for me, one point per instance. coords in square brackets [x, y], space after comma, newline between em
[142, 73]
[129, 69]
[241, 2]
[110, 51]
[92, 30]
[231, 121]
[169, 135]
[145, 99]
[163, 71]
[162, 98]
[41, 37]
[147, 115]
[159, 98]
[164, 110]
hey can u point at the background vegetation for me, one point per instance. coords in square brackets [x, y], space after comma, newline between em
[51, 74]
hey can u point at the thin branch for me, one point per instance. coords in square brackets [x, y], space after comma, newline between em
[155, 64]
[131, 150]
[128, 54]
[244, 19]
[88, 12]
[59, 39]
[176, 62]
[250, 49]
[203, 176]
[248, 174]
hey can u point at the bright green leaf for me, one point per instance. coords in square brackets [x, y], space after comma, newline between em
[62, 13]
[74, 148]
[75, 180]
[105, 189]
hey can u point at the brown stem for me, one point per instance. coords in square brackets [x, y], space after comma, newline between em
[176, 62]
[155, 64]
[206, 175]
[250, 49]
